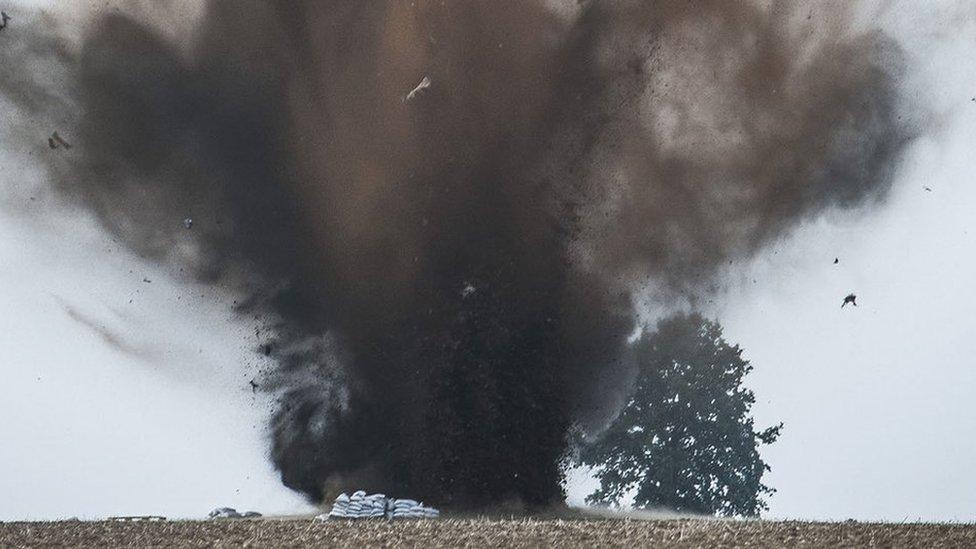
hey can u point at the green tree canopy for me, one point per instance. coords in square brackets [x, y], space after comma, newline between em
[685, 440]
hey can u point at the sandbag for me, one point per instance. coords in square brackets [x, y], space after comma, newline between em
[361, 505]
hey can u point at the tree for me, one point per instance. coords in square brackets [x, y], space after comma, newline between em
[685, 439]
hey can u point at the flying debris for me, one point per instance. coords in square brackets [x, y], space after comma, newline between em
[421, 88]
[836, 260]
[851, 298]
[4, 18]
[188, 223]
[56, 140]
[254, 386]
[468, 290]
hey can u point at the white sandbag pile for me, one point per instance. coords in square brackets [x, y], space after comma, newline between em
[408, 508]
[362, 506]
[231, 513]
[358, 506]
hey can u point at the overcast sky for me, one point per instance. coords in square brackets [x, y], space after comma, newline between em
[876, 400]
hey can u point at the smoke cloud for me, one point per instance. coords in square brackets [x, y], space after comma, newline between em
[448, 276]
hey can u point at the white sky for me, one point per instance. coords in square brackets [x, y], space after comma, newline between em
[876, 400]
[170, 427]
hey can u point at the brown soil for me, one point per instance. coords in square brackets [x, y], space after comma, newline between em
[483, 533]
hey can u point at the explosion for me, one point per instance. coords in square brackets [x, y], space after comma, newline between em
[445, 211]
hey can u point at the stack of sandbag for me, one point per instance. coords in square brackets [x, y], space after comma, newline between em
[231, 513]
[359, 505]
[408, 508]
[362, 506]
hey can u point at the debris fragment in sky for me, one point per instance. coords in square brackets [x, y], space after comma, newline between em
[422, 87]
[188, 223]
[4, 18]
[56, 140]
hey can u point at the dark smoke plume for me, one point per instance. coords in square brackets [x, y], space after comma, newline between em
[449, 277]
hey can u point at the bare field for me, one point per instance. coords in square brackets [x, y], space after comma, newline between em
[483, 533]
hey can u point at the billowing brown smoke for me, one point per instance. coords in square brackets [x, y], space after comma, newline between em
[449, 274]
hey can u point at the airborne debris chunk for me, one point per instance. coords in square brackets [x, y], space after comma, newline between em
[421, 88]
[188, 223]
[3, 20]
[851, 298]
[56, 140]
